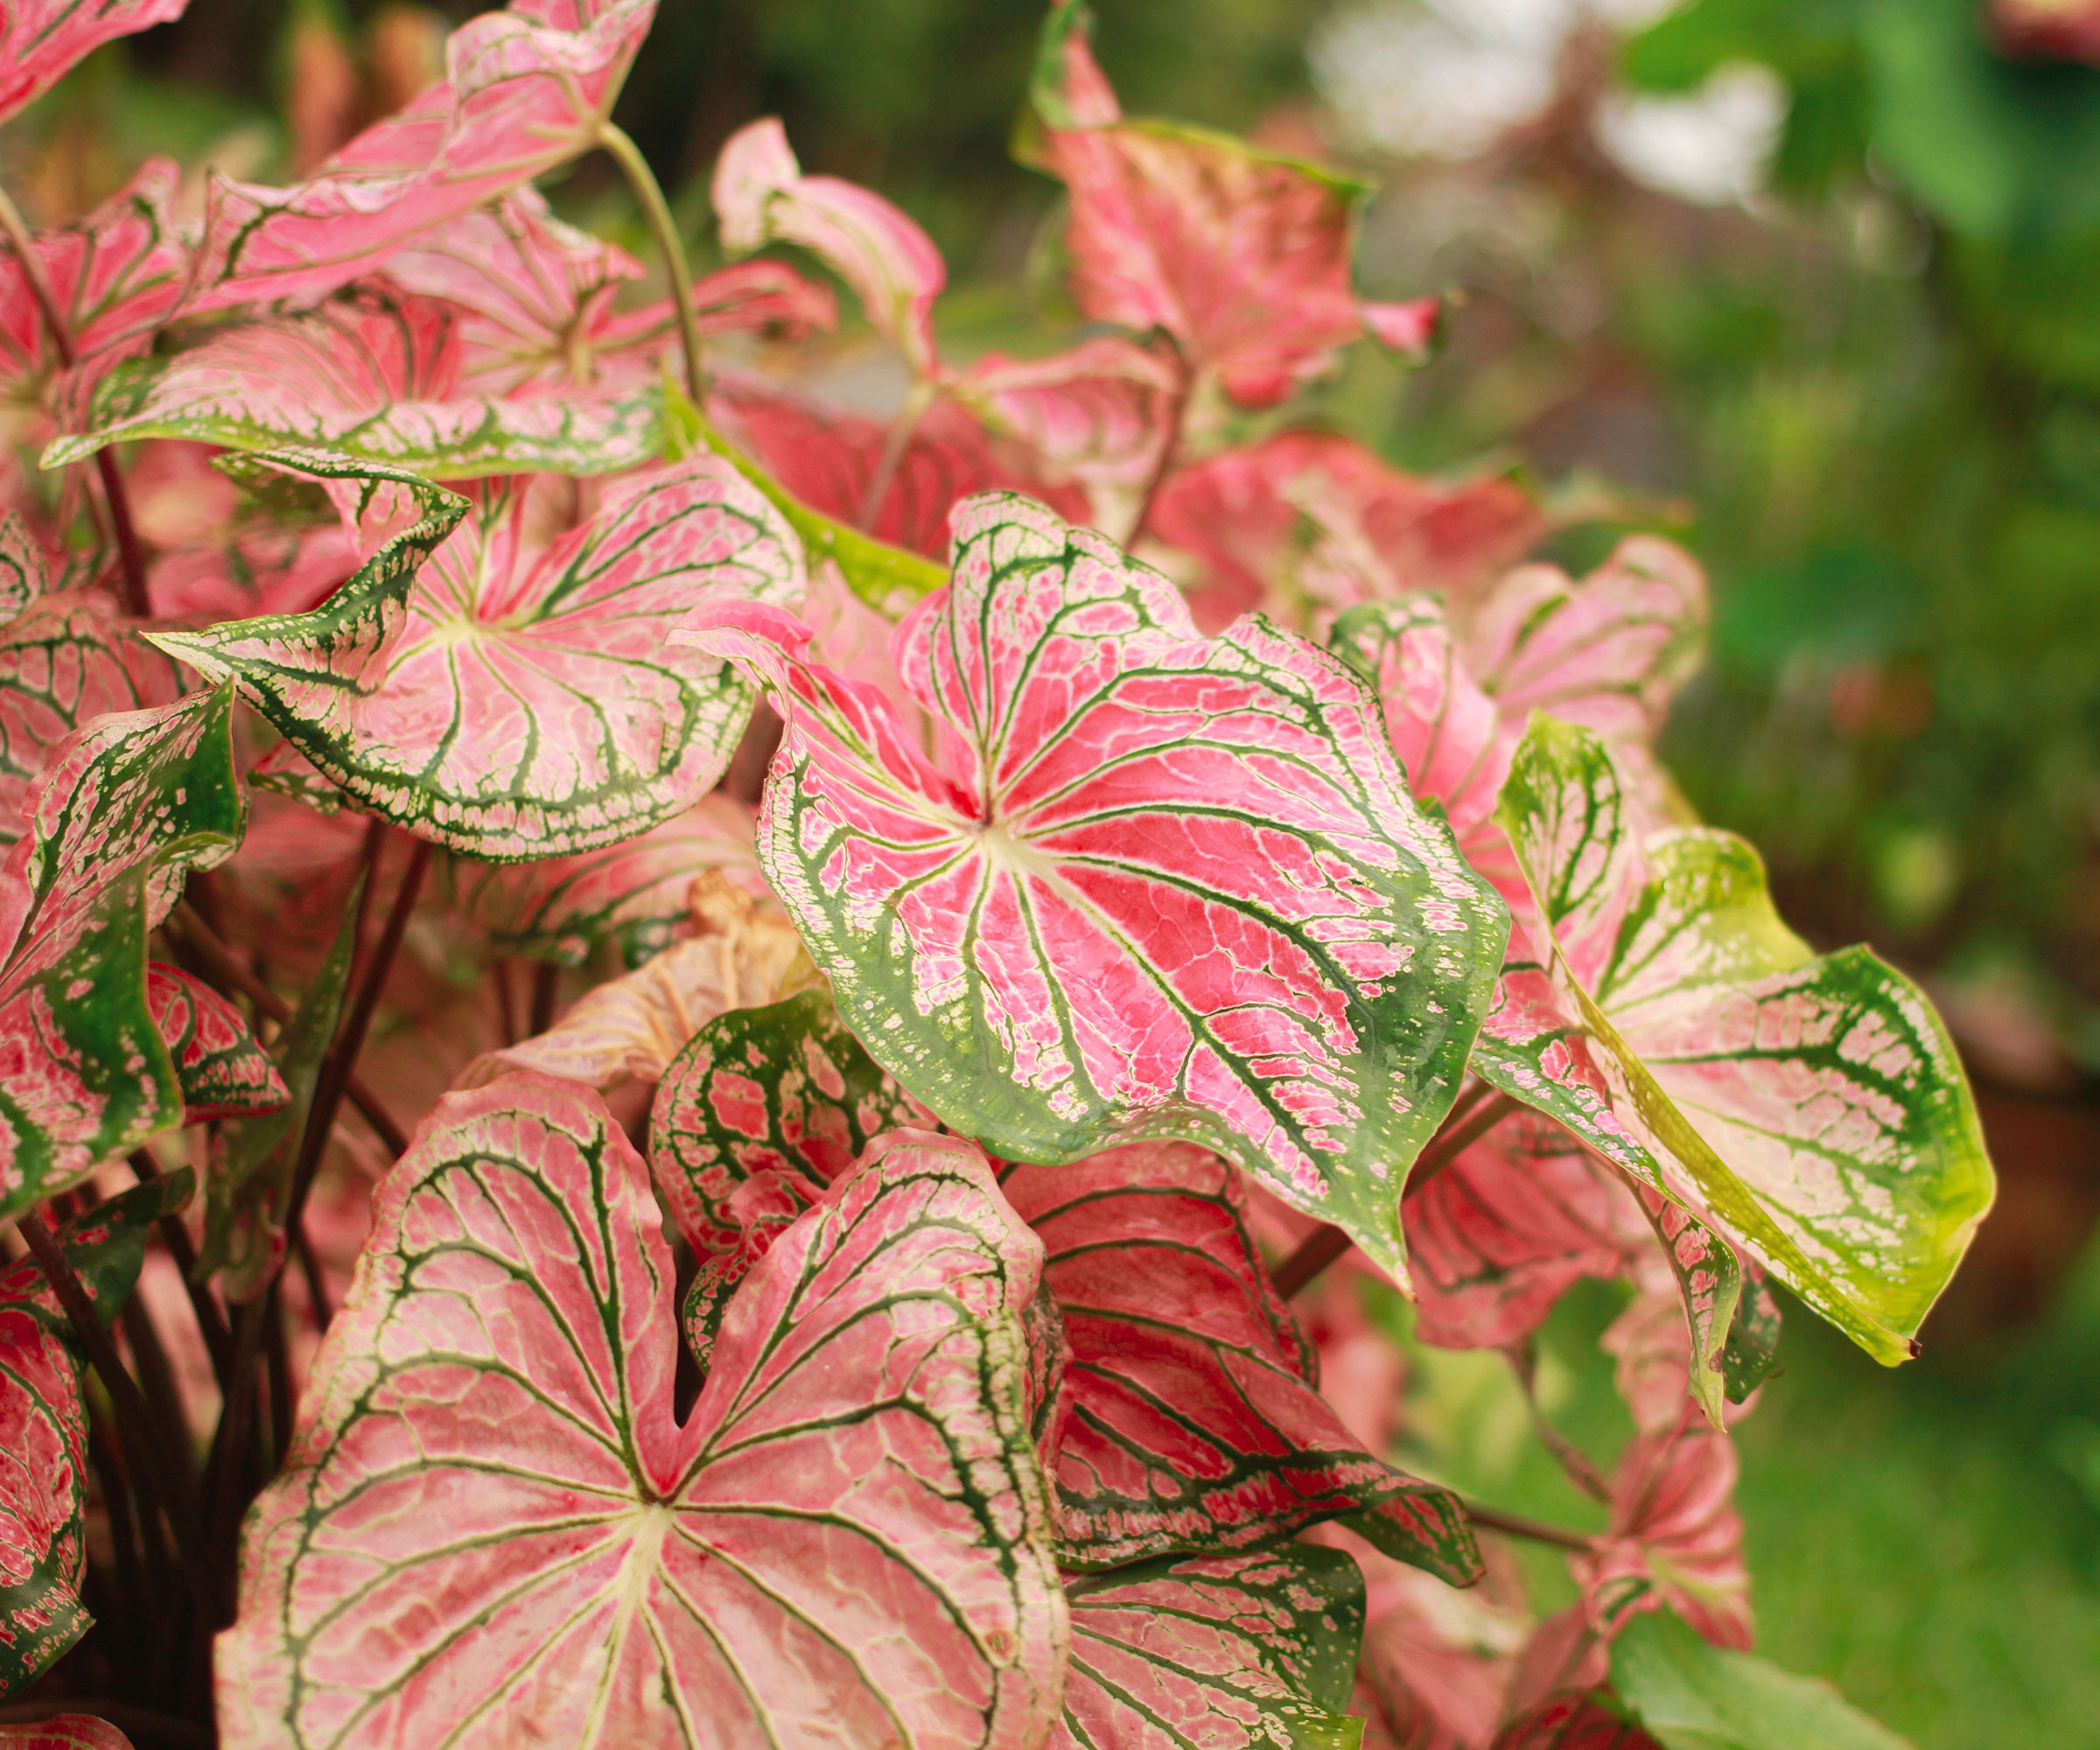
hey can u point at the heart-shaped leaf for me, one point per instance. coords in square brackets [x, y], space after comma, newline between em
[119, 810]
[1159, 885]
[515, 700]
[634, 893]
[64, 659]
[1230, 1652]
[40, 39]
[224, 1073]
[1811, 1107]
[524, 90]
[493, 1530]
[761, 197]
[371, 376]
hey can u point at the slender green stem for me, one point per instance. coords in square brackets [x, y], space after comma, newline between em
[656, 213]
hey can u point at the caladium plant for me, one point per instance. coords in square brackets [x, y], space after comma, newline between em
[726, 1224]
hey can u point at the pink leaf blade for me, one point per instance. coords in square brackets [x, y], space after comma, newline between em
[41, 40]
[224, 1071]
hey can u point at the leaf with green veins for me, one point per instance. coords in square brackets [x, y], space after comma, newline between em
[121, 810]
[515, 700]
[1155, 885]
[1246, 1652]
[250, 1173]
[1811, 1108]
[1691, 1696]
[224, 1071]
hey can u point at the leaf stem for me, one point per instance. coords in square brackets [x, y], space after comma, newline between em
[210, 1322]
[1472, 1117]
[128, 553]
[154, 1466]
[546, 996]
[1515, 1525]
[656, 213]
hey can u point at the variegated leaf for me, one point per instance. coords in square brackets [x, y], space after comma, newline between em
[65, 1732]
[763, 1110]
[524, 90]
[634, 893]
[67, 658]
[630, 1028]
[224, 1072]
[370, 375]
[25, 569]
[118, 814]
[1594, 1719]
[513, 699]
[1157, 885]
[44, 1428]
[493, 1530]
[1811, 1107]
[1675, 1540]
[41, 39]
[761, 196]
[1229, 1652]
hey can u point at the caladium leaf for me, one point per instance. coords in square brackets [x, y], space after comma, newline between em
[119, 811]
[64, 659]
[761, 197]
[494, 1529]
[224, 1072]
[41, 39]
[370, 375]
[1586, 1719]
[1230, 1652]
[25, 571]
[1676, 1539]
[634, 893]
[516, 702]
[1159, 886]
[524, 90]
[1811, 1108]
[1305, 524]
[763, 1110]
[630, 1028]
[65, 1732]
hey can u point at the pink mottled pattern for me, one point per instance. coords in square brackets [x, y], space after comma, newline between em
[1119, 806]
[524, 91]
[1577, 1721]
[1308, 521]
[493, 1529]
[761, 196]
[65, 1732]
[42, 1475]
[40, 39]
[65, 660]
[224, 1072]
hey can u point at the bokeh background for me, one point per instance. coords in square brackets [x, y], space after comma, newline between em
[1812, 285]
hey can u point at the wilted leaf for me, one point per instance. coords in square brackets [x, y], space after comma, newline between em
[517, 700]
[1811, 1108]
[1229, 1652]
[41, 39]
[1157, 887]
[493, 1529]
[119, 810]
[524, 90]
[224, 1073]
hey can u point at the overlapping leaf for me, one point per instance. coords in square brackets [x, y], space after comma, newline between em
[1581, 1720]
[493, 1530]
[634, 893]
[524, 90]
[1229, 1652]
[513, 700]
[1157, 887]
[24, 570]
[118, 813]
[1811, 1107]
[40, 39]
[372, 375]
[224, 1073]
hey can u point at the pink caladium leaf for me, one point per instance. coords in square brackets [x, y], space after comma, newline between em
[66, 658]
[65, 1732]
[1586, 1720]
[1676, 1539]
[120, 811]
[762, 197]
[1242, 255]
[1305, 524]
[224, 1072]
[1157, 885]
[44, 1428]
[493, 1528]
[25, 568]
[1810, 1108]
[1244, 1652]
[40, 40]
[630, 1028]
[634, 894]
[511, 697]
[524, 90]
[370, 375]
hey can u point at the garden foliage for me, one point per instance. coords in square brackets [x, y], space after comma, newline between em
[843, 1292]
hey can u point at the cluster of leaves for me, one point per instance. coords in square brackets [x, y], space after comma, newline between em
[861, 1313]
